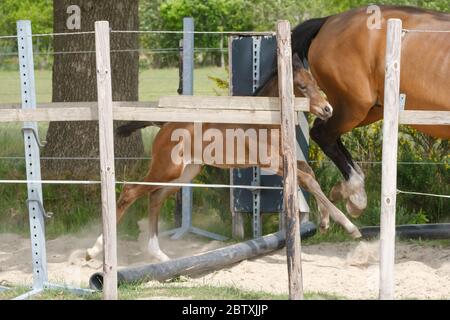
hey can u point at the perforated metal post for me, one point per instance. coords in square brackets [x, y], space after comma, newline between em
[188, 89]
[32, 157]
[256, 194]
[32, 144]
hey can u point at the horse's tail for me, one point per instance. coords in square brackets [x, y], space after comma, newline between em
[127, 129]
[304, 34]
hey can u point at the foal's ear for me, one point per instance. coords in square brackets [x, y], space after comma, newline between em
[297, 62]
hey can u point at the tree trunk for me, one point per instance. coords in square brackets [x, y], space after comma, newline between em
[74, 79]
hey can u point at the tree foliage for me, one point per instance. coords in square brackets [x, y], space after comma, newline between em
[214, 15]
[40, 12]
[211, 15]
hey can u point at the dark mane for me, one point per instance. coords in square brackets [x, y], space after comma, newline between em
[304, 34]
[302, 37]
[273, 74]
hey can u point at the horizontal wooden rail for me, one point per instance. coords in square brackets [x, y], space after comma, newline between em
[425, 117]
[236, 110]
[186, 102]
[230, 103]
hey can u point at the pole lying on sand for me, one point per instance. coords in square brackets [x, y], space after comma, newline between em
[209, 261]
[413, 231]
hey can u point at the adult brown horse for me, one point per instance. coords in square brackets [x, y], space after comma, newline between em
[347, 59]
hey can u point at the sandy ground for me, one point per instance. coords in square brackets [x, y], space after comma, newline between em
[345, 269]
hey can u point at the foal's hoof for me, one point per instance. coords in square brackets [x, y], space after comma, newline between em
[163, 258]
[88, 257]
[323, 227]
[160, 256]
[356, 234]
[90, 254]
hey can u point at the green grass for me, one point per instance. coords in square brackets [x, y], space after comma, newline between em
[10, 86]
[166, 291]
[77, 206]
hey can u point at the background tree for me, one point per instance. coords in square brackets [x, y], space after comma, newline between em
[74, 79]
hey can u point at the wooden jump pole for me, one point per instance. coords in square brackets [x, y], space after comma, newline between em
[389, 166]
[290, 192]
[106, 139]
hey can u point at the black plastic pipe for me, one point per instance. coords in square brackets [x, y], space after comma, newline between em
[413, 231]
[209, 261]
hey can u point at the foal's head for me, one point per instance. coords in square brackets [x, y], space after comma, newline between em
[306, 86]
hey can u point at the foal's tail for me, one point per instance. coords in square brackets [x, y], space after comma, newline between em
[127, 129]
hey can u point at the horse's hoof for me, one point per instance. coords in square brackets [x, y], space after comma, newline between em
[355, 211]
[356, 203]
[335, 193]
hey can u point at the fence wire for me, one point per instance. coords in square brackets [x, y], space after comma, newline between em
[175, 50]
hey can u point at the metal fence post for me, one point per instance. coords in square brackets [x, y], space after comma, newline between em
[32, 156]
[32, 144]
[188, 89]
[256, 194]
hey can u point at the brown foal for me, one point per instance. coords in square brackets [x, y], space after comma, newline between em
[176, 160]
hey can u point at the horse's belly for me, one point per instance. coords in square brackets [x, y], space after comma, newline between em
[442, 132]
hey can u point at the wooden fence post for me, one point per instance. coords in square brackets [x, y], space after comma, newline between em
[389, 167]
[291, 202]
[106, 139]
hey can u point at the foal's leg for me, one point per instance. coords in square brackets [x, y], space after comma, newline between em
[162, 169]
[324, 213]
[156, 201]
[129, 195]
[307, 182]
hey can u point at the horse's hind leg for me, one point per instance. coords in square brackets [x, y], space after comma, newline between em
[156, 200]
[324, 213]
[352, 189]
